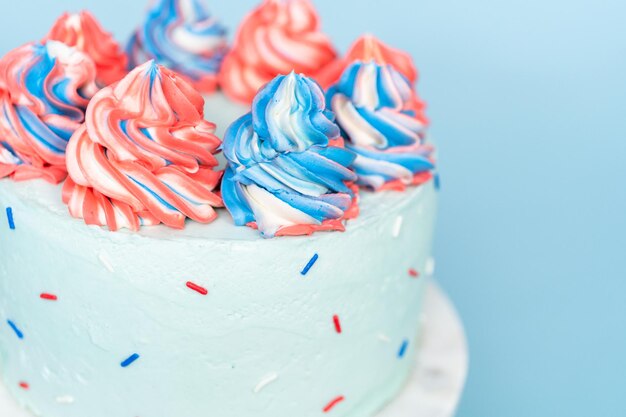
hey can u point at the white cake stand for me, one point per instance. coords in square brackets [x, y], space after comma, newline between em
[437, 382]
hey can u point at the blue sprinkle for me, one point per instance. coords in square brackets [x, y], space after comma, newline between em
[10, 218]
[437, 182]
[403, 347]
[17, 331]
[127, 362]
[310, 264]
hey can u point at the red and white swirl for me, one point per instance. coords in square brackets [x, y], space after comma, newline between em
[145, 155]
[278, 37]
[82, 31]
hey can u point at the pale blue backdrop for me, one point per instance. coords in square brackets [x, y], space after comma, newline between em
[528, 102]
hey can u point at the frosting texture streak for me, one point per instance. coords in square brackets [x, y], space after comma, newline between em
[144, 155]
[287, 168]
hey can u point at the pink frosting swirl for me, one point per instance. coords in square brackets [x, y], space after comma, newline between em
[368, 48]
[44, 91]
[145, 155]
[82, 31]
[278, 37]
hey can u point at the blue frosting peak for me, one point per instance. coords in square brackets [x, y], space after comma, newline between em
[375, 107]
[285, 168]
[181, 35]
[292, 116]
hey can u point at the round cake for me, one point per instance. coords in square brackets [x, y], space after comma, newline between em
[211, 230]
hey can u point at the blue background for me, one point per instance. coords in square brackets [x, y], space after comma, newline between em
[528, 102]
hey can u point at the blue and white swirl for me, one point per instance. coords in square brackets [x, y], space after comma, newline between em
[284, 170]
[181, 35]
[373, 106]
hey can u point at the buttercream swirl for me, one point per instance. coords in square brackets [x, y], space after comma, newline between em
[369, 48]
[373, 105]
[144, 156]
[183, 36]
[82, 31]
[44, 90]
[276, 38]
[287, 168]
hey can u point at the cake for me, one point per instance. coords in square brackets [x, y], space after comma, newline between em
[249, 239]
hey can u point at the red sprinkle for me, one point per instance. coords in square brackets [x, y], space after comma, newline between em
[333, 403]
[24, 385]
[414, 273]
[197, 288]
[50, 297]
[337, 323]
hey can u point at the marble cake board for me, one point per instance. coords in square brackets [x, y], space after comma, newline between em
[437, 382]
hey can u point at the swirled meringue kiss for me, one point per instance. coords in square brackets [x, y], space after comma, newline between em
[276, 38]
[82, 31]
[287, 168]
[373, 104]
[181, 35]
[44, 90]
[144, 156]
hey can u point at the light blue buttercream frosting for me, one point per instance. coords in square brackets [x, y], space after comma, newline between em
[127, 337]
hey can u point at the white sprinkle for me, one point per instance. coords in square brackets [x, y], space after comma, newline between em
[265, 381]
[81, 379]
[397, 226]
[384, 338]
[429, 269]
[66, 399]
[104, 259]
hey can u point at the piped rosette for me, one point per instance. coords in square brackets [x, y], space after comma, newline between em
[369, 48]
[373, 104]
[183, 36]
[287, 168]
[276, 38]
[44, 91]
[144, 156]
[82, 31]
